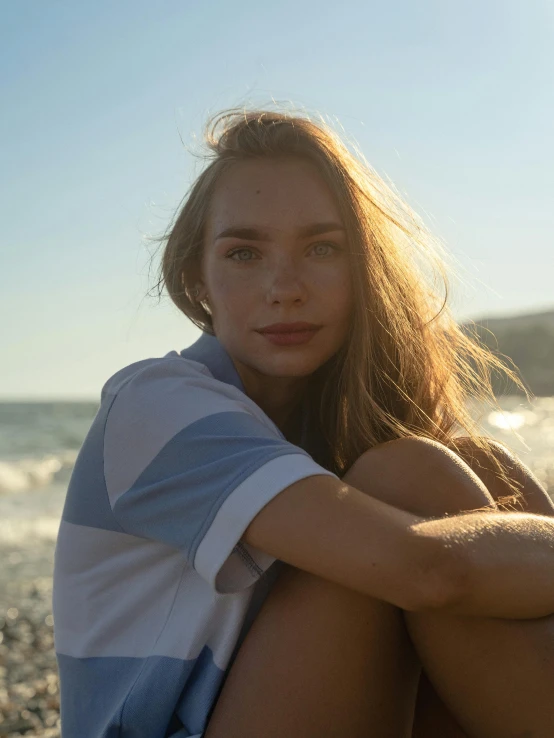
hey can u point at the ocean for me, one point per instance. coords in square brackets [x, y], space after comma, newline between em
[39, 443]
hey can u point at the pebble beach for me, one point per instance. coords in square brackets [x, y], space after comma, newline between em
[29, 690]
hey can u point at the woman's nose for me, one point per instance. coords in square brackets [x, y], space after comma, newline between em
[286, 284]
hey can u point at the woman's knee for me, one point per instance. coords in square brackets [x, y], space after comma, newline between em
[523, 493]
[421, 476]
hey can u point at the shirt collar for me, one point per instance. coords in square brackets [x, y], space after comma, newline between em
[209, 351]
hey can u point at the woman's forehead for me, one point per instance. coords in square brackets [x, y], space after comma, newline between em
[271, 194]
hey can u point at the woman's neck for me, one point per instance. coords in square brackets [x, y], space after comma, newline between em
[279, 403]
[278, 397]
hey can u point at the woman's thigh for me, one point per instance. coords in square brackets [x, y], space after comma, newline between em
[320, 660]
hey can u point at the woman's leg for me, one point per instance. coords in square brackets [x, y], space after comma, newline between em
[495, 676]
[430, 709]
[320, 661]
[467, 659]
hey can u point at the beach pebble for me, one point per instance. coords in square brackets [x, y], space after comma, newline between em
[29, 689]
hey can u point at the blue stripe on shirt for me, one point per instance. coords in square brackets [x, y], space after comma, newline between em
[87, 500]
[103, 706]
[178, 495]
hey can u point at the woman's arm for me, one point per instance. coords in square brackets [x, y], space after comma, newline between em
[477, 563]
[533, 496]
[508, 559]
[328, 528]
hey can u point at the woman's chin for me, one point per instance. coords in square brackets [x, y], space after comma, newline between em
[289, 367]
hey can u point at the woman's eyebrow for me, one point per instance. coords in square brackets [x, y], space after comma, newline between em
[254, 234]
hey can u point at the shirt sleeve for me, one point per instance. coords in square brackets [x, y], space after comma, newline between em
[189, 461]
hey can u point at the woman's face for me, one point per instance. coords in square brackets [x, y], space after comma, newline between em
[261, 266]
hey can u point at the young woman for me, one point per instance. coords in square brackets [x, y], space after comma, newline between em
[292, 527]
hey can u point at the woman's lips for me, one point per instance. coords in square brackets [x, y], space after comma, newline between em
[294, 338]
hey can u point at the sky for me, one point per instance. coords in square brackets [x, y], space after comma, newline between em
[103, 108]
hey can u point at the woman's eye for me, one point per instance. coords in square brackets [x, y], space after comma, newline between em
[231, 254]
[326, 245]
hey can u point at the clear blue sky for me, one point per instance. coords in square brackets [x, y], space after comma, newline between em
[453, 101]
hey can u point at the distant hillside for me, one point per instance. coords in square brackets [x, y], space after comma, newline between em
[529, 341]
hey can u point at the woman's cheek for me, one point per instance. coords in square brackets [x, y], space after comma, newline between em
[232, 297]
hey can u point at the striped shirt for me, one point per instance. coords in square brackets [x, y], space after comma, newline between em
[154, 590]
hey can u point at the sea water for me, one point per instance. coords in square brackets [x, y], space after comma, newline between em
[39, 443]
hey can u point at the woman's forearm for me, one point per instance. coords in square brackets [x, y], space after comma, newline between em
[506, 560]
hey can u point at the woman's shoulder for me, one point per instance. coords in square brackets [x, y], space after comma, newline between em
[153, 371]
[174, 386]
[205, 361]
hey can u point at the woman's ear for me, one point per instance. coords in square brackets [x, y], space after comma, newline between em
[200, 295]
[200, 292]
[196, 292]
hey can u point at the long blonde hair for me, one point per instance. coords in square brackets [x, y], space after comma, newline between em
[406, 368]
